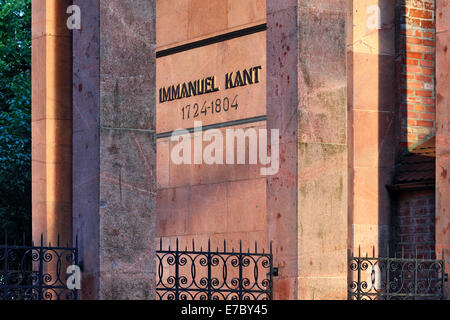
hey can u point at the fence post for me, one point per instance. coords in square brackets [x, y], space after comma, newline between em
[41, 268]
[209, 269]
[358, 287]
[177, 293]
[271, 273]
[240, 270]
[443, 277]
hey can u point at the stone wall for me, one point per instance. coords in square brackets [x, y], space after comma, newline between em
[443, 132]
[114, 163]
[198, 201]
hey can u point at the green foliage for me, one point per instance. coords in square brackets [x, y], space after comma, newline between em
[15, 116]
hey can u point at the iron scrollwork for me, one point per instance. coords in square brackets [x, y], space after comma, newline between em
[396, 278]
[214, 275]
[36, 272]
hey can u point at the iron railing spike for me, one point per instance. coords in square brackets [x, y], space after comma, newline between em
[256, 247]
[42, 239]
[209, 245]
[177, 244]
[224, 245]
[193, 244]
[373, 251]
[58, 240]
[359, 251]
[160, 244]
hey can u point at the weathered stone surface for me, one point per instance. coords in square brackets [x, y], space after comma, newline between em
[183, 21]
[86, 145]
[51, 122]
[372, 126]
[443, 132]
[282, 110]
[114, 172]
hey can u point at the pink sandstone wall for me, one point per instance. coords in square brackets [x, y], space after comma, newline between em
[51, 122]
[443, 132]
[373, 119]
[202, 201]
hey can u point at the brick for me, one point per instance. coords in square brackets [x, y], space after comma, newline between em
[429, 57]
[428, 101]
[429, 5]
[430, 43]
[407, 91]
[419, 107]
[414, 40]
[428, 116]
[423, 14]
[428, 124]
[412, 69]
[411, 123]
[414, 55]
[427, 24]
[417, 48]
[426, 63]
[427, 71]
[413, 115]
[430, 109]
[424, 78]
[424, 93]
[411, 62]
[415, 3]
[413, 22]
[428, 35]
[415, 85]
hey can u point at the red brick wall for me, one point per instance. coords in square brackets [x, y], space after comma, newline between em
[417, 70]
[416, 223]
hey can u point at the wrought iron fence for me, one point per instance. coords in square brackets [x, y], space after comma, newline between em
[396, 278]
[36, 272]
[214, 275]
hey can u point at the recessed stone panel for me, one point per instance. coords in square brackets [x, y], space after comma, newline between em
[217, 83]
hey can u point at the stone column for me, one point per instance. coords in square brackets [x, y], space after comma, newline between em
[306, 101]
[372, 121]
[443, 133]
[322, 150]
[51, 121]
[282, 101]
[114, 162]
